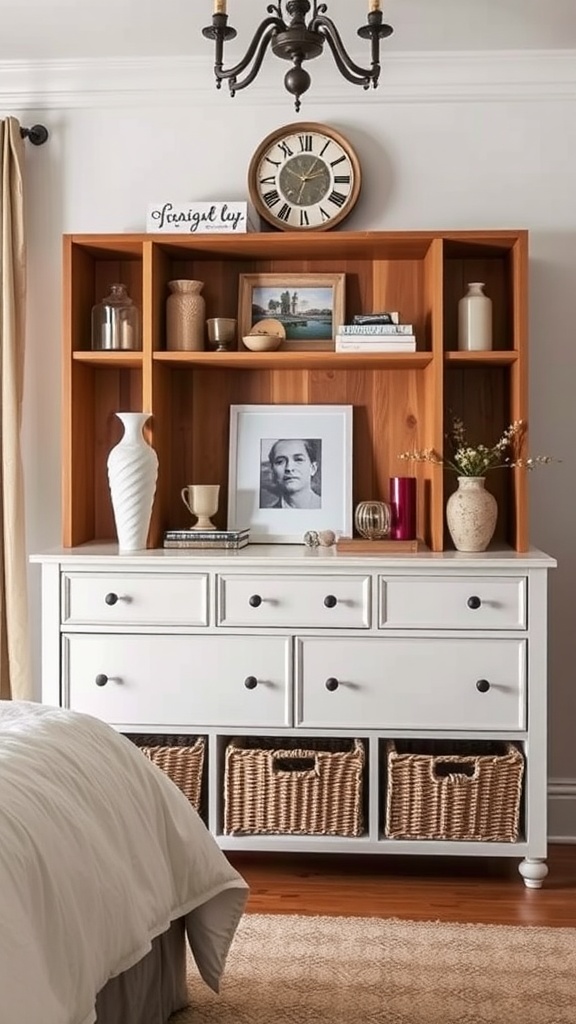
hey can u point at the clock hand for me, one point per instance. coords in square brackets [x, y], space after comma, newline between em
[302, 187]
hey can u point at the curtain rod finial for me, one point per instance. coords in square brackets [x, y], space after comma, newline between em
[37, 134]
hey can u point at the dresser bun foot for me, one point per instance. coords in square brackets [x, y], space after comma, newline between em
[533, 872]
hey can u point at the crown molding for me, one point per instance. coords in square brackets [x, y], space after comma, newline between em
[423, 77]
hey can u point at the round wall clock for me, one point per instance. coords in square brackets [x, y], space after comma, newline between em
[304, 177]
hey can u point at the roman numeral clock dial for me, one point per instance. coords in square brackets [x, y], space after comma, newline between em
[304, 177]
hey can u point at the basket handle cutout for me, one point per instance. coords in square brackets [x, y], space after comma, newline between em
[459, 771]
[283, 761]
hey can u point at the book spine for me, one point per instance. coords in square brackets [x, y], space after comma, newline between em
[370, 329]
[198, 535]
[218, 545]
[386, 317]
[374, 346]
[376, 339]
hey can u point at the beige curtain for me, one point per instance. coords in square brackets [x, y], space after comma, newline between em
[15, 681]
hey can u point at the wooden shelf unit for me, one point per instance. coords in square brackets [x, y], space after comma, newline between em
[401, 401]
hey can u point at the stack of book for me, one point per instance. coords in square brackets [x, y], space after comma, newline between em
[376, 332]
[231, 540]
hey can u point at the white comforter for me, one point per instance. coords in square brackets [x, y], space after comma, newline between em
[99, 852]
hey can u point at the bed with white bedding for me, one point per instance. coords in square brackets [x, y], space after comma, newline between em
[103, 864]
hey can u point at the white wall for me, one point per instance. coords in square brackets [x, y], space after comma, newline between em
[467, 141]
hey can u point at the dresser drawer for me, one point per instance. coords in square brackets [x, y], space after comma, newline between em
[410, 683]
[152, 680]
[120, 599]
[452, 602]
[294, 601]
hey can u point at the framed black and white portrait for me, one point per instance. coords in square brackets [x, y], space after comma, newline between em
[290, 471]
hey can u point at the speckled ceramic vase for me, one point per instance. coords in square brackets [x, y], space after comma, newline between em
[471, 514]
[185, 316]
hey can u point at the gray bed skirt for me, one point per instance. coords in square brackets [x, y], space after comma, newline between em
[153, 989]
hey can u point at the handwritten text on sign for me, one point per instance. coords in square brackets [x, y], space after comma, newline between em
[198, 218]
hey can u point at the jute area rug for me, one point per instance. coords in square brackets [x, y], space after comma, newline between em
[342, 970]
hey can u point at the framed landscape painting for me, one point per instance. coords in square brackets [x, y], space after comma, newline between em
[290, 471]
[310, 307]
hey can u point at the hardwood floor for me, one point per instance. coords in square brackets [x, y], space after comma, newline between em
[475, 890]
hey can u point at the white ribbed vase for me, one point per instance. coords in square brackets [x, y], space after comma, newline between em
[132, 474]
[471, 514]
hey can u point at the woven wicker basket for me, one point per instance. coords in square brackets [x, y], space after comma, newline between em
[275, 786]
[439, 791]
[182, 762]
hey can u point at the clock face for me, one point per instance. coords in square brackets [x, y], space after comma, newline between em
[304, 177]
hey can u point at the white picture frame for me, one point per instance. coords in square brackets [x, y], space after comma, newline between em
[290, 471]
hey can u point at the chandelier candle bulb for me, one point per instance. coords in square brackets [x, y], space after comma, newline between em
[219, 6]
[374, 5]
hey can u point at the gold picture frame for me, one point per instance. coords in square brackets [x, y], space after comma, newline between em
[310, 307]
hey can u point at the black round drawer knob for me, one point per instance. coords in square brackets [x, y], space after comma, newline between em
[111, 598]
[474, 602]
[101, 679]
[330, 601]
[331, 684]
[483, 685]
[255, 601]
[250, 682]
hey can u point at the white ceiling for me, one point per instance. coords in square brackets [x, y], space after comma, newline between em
[69, 29]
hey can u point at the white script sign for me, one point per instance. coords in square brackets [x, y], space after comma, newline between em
[200, 218]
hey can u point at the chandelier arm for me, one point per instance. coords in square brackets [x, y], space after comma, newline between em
[348, 68]
[257, 49]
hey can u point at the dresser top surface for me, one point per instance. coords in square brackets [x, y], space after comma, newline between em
[299, 556]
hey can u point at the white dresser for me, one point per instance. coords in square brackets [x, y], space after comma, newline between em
[283, 641]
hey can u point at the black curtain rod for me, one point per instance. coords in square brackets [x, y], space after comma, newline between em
[37, 134]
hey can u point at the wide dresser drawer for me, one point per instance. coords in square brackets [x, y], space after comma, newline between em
[119, 599]
[294, 601]
[153, 680]
[411, 683]
[452, 602]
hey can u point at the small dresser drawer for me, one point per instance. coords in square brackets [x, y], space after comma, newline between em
[410, 683]
[130, 599]
[294, 601]
[153, 680]
[452, 602]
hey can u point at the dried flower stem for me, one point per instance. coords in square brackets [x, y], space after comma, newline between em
[469, 460]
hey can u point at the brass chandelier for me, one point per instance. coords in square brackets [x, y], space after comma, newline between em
[296, 40]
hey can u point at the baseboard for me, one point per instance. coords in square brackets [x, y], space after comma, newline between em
[562, 811]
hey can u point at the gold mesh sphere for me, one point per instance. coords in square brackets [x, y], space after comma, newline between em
[372, 519]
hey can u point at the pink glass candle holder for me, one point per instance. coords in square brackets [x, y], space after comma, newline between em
[403, 507]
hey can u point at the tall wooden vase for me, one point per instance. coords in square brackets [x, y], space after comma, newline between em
[132, 475]
[185, 316]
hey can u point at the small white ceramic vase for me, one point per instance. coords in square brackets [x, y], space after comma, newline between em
[475, 320]
[471, 514]
[132, 475]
